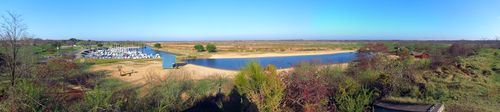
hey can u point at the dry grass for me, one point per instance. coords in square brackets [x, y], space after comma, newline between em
[186, 49]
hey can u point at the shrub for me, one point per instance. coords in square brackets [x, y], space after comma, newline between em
[262, 89]
[167, 96]
[199, 48]
[433, 93]
[439, 59]
[383, 85]
[98, 99]
[177, 92]
[104, 96]
[157, 45]
[485, 62]
[99, 45]
[370, 55]
[126, 99]
[56, 45]
[306, 89]
[461, 49]
[25, 96]
[2, 62]
[351, 97]
[211, 48]
[374, 48]
[403, 53]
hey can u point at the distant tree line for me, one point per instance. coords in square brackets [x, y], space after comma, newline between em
[157, 45]
[209, 48]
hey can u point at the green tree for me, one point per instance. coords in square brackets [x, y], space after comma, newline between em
[199, 47]
[157, 45]
[211, 48]
[261, 87]
[56, 45]
[74, 40]
[99, 45]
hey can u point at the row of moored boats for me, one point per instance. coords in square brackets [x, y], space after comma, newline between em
[118, 53]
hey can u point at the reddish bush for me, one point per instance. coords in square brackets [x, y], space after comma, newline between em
[448, 56]
[305, 90]
[367, 55]
[461, 49]
[60, 63]
[55, 68]
[374, 48]
[403, 53]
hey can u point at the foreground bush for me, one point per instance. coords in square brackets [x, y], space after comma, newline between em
[179, 92]
[306, 89]
[263, 88]
[110, 95]
[26, 96]
[351, 97]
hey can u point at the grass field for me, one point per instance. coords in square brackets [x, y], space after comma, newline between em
[110, 61]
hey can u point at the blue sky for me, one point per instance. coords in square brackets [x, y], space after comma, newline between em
[258, 19]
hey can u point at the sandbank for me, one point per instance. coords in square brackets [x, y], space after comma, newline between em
[153, 69]
[253, 55]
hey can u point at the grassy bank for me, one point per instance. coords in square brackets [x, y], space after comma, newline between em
[111, 61]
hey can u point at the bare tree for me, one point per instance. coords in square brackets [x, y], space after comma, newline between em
[12, 30]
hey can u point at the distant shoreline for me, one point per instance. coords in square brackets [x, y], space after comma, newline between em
[240, 55]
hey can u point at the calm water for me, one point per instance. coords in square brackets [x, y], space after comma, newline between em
[279, 62]
[168, 59]
[238, 63]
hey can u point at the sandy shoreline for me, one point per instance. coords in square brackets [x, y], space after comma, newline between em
[141, 71]
[240, 55]
[154, 69]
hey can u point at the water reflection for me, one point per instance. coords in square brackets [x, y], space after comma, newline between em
[279, 62]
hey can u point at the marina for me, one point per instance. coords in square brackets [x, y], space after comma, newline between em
[119, 53]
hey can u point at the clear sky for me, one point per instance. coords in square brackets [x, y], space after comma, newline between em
[258, 19]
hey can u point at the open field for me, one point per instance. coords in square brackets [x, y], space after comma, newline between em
[272, 54]
[235, 49]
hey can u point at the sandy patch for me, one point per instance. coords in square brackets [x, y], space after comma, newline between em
[141, 71]
[253, 55]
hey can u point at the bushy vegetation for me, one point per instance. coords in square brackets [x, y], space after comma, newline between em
[211, 48]
[199, 48]
[351, 97]
[157, 45]
[62, 85]
[45, 77]
[306, 90]
[450, 76]
[262, 87]
[464, 77]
